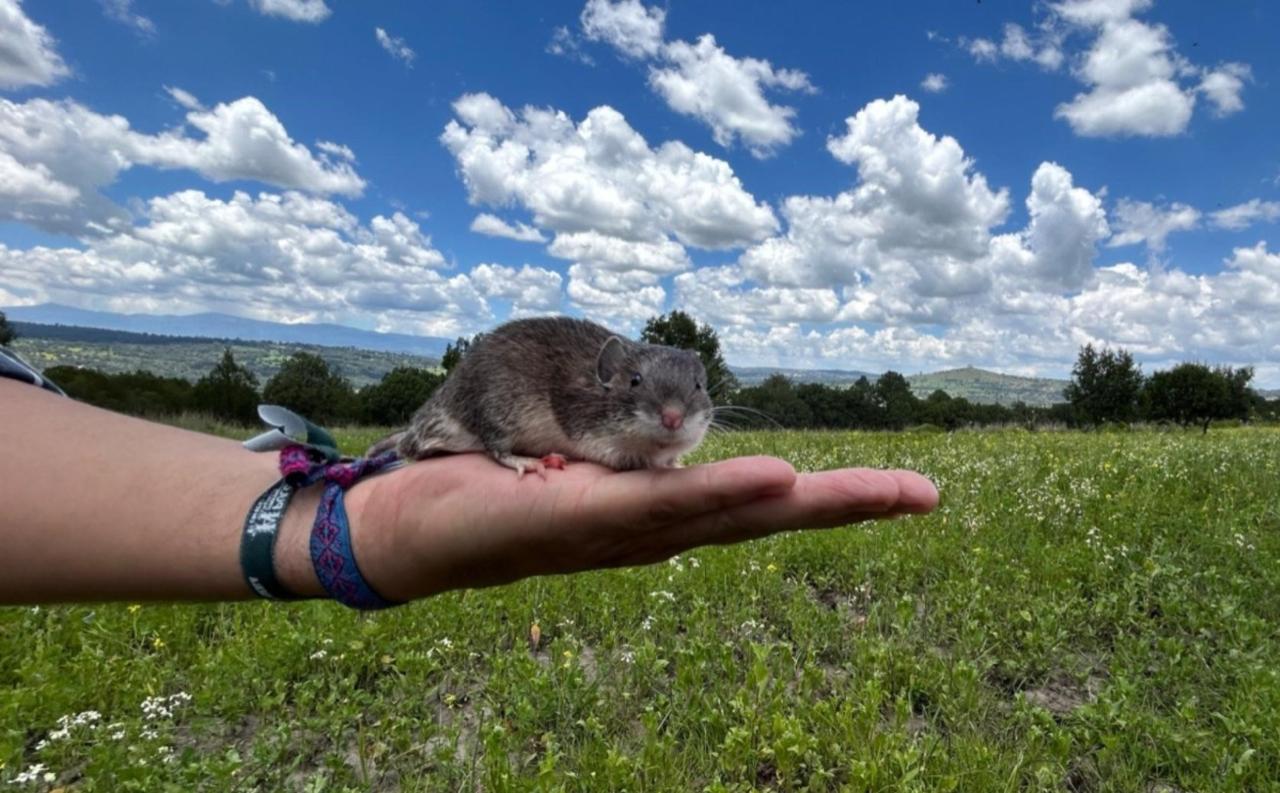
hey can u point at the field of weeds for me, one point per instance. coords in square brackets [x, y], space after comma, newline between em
[1084, 612]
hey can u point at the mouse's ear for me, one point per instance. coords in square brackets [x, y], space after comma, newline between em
[610, 359]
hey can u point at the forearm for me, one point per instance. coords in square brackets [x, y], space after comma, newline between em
[99, 506]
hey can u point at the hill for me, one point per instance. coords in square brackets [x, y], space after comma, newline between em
[225, 326]
[980, 385]
[191, 358]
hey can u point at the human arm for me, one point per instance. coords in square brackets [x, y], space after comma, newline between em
[99, 506]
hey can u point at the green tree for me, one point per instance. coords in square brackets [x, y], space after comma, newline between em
[678, 329]
[778, 400]
[1193, 394]
[229, 391]
[893, 394]
[7, 333]
[307, 386]
[1105, 386]
[453, 352]
[393, 401]
[135, 393]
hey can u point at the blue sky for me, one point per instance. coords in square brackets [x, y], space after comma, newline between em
[909, 186]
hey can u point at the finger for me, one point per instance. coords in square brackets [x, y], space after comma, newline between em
[817, 501]
[651, 499]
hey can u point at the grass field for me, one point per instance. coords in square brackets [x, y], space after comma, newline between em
[1084, 612]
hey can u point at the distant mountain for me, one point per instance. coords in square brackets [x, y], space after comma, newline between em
[225, 326]
[188, 357]
[980, 385]
[755, 375]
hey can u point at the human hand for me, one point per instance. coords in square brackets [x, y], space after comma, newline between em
[463, 521]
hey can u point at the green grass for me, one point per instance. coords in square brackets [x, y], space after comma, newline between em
[1084, 612]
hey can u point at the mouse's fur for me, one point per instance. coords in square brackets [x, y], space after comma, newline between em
[534, 388]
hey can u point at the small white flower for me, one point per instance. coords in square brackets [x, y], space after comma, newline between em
[319, 655]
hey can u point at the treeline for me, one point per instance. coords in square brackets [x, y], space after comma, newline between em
[230, 392]
[1107, 387]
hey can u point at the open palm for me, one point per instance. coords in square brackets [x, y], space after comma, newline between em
[464, 521]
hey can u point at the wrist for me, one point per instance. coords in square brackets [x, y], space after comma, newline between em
[292, 552]
[381, 558]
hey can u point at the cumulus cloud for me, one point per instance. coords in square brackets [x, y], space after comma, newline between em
[531, 290]
[1224, 85]
[1241, 216]
[934, 83]
[599, 175]
[1044, 47]
[919, 214]
[1137, 83]
[727, 93]
[287, 256]
[64, 143]
[700, 79]
[633, 28]
[28, 54]
[311, 11]
[494, 226]
[122, 11]
[395, 47]
[1139, 221]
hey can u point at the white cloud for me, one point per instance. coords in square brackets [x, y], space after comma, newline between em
[630, 26]
[700, 79]
[600, 175]
[1067, 222]
[1224, 85]
[727, 93]
[618, 300]
[934, 83]
[286, 256]
[312, 11]
[494, 226]
[1241, 216]
[1137, 84]
[566, 45]
[28, 54]
[1139, 221]
[531, 290]
[184, 98]
[591, 248]
[918, 215]
[122, 12]
[30, 184]
[73, 146]
[395, 46]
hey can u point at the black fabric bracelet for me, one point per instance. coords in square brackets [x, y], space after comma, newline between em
[258, 542]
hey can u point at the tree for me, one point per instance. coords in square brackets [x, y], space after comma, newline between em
[777, 399]
[1193, 394]
[678, 329]
[135, 393]
[229, 391]
[307, 386]
[7, 333]
[893, 394]
[393, 401]
[453, 352]
[1105, 386]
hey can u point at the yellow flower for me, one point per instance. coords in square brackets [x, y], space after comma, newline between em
[772, 568]
[157, 642]
[135, 608]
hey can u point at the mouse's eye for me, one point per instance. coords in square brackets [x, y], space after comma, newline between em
[697, 385]
[636, 379]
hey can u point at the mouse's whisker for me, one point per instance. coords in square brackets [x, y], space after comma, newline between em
[749, 413]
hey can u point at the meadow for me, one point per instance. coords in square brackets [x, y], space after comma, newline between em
[1084, 612]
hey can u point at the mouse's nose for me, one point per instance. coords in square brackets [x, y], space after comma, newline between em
[672, 418]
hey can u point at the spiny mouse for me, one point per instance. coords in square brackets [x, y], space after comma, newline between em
[534, 393]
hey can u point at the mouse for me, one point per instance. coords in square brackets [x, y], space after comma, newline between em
[538, 393]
